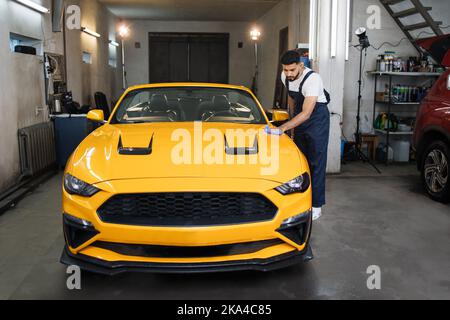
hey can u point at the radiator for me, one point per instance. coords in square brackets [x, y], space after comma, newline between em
[37, 148]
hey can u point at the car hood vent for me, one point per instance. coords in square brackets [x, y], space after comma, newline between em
[241, 150]
[133, 151]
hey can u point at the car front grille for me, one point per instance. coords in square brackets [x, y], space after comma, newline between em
[187, 209]
[154, 251]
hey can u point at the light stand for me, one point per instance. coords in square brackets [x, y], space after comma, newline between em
[123, 33]
[255, 34]
[255, 84]
[363, 45]
[124, 72]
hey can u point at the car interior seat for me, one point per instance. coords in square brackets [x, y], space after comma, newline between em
[219, 106]
[101, 103]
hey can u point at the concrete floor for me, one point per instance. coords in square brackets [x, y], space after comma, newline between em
[370, 220]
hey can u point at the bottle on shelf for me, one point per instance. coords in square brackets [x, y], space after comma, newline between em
[383, 64]
[386, 93]
[395, 93]
[378, 63]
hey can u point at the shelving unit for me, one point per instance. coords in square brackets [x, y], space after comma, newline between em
[394, 133]
[390, 104]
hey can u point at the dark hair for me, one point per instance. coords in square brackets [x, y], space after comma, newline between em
[290, 57]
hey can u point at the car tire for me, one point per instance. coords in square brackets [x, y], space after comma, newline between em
[435, 170]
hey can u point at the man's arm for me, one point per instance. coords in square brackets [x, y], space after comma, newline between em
[291, 106]
[308, 108]
[291, 109]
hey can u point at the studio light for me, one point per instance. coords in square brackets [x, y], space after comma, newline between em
[364, 42]
[356, 148]
[33, 5]
[90, 32]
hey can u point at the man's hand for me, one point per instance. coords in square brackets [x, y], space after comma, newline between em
[283, 128]
[277, 131]
[308, 108]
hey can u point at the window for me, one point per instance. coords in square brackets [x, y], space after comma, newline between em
[87, 57]
[21, 40]
[112, 52]
[112, 62]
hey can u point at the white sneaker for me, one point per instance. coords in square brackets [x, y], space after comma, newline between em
[317, 213]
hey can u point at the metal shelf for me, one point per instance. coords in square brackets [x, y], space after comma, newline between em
[405, 74]
[395, 133]
[400, 103]
[390, 104]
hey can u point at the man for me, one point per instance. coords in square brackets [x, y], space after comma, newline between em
[310, 120]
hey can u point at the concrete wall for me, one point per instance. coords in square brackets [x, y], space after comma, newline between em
[332, 70]
[293, 14]
[241, 60]
[85, 79]
[22, 78]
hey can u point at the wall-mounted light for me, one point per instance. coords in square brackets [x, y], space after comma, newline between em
[113, 43]
[255, 34]
[347, 30]
[33, 5]
[334, 25]
[312, 28]
[123, 31]
[90, 32]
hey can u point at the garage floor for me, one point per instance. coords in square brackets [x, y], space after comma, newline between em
[370, 220]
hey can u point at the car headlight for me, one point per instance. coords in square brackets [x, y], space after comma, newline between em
[297, 185]
[75, 186]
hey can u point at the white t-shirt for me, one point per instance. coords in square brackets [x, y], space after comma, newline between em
[313, 86]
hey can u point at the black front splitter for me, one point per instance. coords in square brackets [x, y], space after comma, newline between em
[94, 265]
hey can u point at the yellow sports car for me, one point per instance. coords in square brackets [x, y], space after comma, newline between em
[186, 177]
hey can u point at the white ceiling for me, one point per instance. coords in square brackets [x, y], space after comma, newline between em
[191, 10]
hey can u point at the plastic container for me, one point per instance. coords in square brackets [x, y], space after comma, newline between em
[401, 150]
[381, 153]
[404, 128]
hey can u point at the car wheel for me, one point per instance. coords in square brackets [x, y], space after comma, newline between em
[435, 171]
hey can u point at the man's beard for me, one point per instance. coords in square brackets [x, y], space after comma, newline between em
[293, 78]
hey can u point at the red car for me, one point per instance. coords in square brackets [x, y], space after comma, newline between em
[432, 132]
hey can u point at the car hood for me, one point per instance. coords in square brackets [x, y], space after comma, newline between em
[438, 48]
[169, 150]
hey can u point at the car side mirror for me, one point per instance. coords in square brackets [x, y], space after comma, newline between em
[280, 116]
[96, 116]
[448, 82]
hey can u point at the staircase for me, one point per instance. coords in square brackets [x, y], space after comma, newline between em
[416, 9]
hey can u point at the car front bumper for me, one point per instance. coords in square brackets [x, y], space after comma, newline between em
[111, 268]
[111, 248]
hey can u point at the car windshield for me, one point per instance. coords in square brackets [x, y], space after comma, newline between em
[188, 104]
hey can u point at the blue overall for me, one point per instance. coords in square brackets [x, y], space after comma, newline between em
[312, 137]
